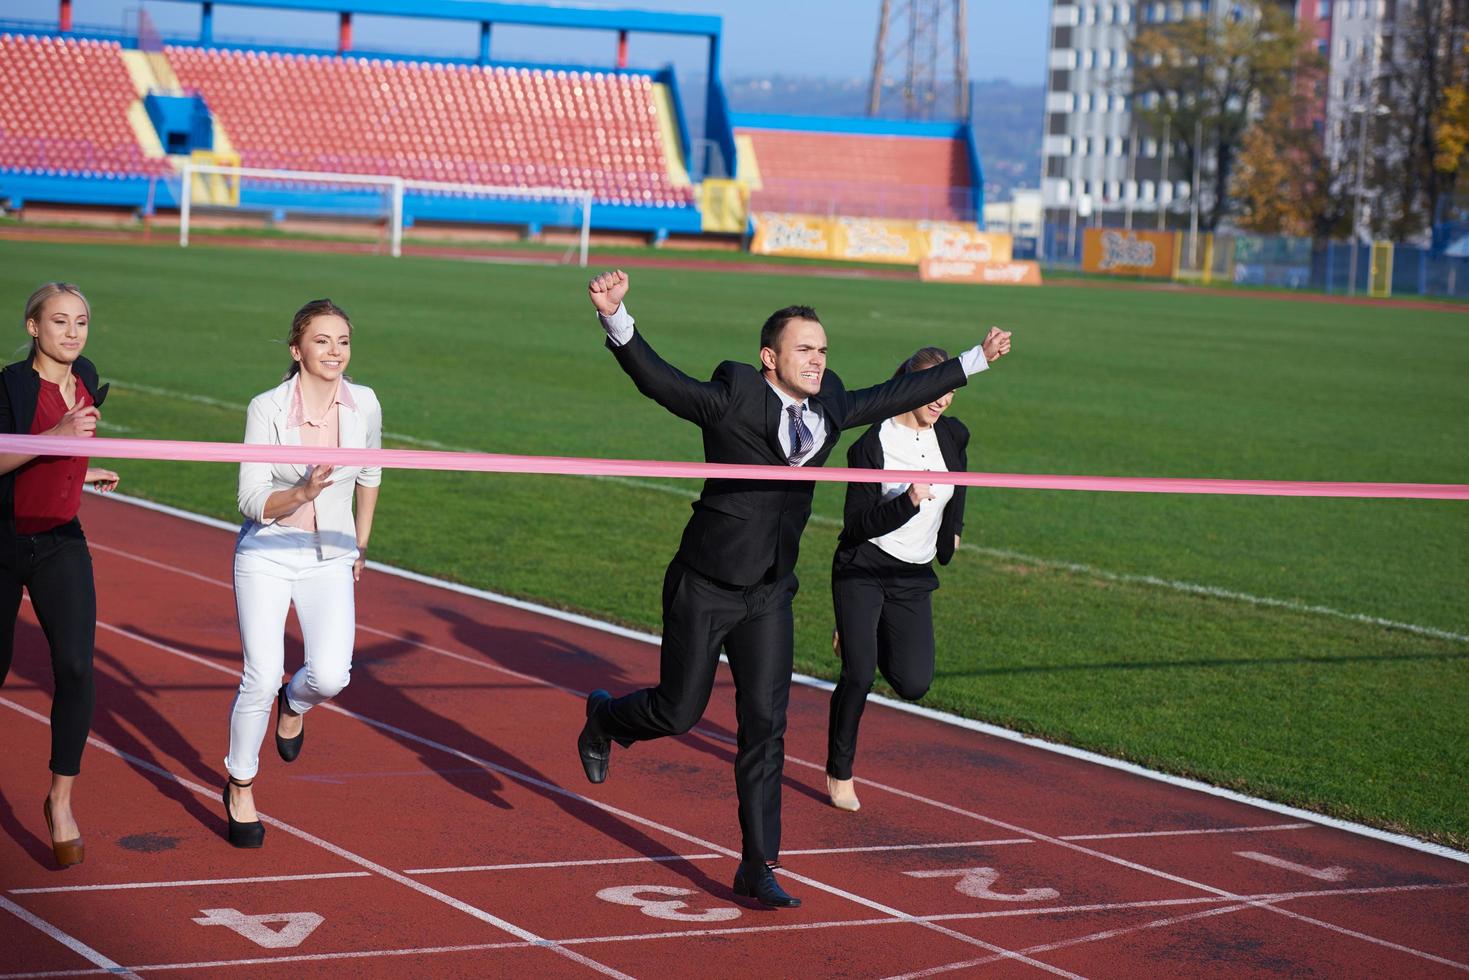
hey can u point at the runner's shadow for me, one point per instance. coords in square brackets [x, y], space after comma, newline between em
[553, 658]
[121, 708]
[36, 846]
[388, 701]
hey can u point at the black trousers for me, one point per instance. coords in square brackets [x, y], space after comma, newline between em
[755, 627]
[885, 622]
[56, 568]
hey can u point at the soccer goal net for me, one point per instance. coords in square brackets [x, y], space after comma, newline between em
[384, 203]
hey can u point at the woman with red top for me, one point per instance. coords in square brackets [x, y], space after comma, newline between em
[301, 545]
[53, 392]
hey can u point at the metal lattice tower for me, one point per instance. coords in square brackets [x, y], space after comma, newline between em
[935, 35]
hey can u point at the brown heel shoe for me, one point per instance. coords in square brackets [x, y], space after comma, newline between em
[67, 852]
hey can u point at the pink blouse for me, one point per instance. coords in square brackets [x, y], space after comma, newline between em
[314, 432]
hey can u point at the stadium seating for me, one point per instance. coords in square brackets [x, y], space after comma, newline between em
[578, 130]
[63, 109]
[861, 175]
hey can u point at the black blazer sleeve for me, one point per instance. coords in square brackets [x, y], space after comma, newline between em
[902, 394]
[700, 402]
[953, 523]
[866, 514]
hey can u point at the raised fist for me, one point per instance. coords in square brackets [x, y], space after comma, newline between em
[607, 291]
[996, 344]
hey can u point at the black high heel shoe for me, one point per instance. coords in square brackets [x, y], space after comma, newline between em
[242, 834]
[288, 748]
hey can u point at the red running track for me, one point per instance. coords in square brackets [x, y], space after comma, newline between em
[438, 823]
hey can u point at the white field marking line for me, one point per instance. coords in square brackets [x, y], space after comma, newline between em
[550, 788]
[1165, 875]
[788, 927]
[1190, 833]
[66, 939]
[261, 879]
[593, 862]
[943, 717]
[1121, 578]
[691, 838]
[532, 865]
[1250, 902]
[1077, 941]
[341, 852]
[271, 960]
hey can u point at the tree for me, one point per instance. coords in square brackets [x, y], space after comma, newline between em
[1426, 62]
[1277, 176]
[1451, 128]
[1207, 78]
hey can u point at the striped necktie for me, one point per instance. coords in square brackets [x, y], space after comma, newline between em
[800, 436]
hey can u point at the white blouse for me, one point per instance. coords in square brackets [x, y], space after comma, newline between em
[913, 449]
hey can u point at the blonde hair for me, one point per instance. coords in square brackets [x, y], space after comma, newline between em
[44, 295]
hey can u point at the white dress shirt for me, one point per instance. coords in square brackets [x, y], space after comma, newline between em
[913, 449]
[619, 327]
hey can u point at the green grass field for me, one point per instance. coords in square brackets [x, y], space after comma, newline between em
[1229, 639]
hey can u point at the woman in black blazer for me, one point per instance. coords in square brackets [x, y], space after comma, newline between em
[53, 391]
[882, 576]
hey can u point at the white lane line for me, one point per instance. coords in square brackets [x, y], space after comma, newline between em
[550, 788]
[1003, 554]
[272, 960]
[745, 930]
[892, 789]
[1333, 873]
[197, 882]
[1076, 941]
[873, 848]
[1191, 833]
[533, 865]
[560, 791]
[1036, 835]
[954, 721]
[1158, 873]
[328, 846]
[66, 939]
[667, 858]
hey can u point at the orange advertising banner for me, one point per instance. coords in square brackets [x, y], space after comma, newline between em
[792, 234]
[951, 240]
[988, 273]
[1115, 252]
[876, 240]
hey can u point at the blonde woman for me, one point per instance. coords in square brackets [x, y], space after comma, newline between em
[302, 545]
[53, 392]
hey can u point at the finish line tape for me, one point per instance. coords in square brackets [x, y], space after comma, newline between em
[419, 459]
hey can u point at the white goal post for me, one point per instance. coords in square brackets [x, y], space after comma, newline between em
[219, 189]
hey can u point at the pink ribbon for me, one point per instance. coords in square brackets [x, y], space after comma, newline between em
[230, 452]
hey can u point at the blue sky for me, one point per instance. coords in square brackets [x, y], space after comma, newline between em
[819, 38]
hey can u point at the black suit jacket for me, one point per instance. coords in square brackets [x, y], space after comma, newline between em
[867, 515]
[20, 386]
[746, 531]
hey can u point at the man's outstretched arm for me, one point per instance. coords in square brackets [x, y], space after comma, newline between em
[699, 402]
[908, 391]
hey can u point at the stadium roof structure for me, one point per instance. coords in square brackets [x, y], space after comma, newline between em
[533, 15]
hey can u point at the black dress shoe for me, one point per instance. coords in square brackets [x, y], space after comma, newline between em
[288, 748]
[242, 834]
[758, 883]
[594, 748]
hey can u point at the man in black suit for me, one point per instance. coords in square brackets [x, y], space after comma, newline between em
[732, 581]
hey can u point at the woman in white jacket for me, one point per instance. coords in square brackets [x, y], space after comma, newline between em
[301, 544]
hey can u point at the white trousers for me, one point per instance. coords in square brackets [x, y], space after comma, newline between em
[277, 567]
